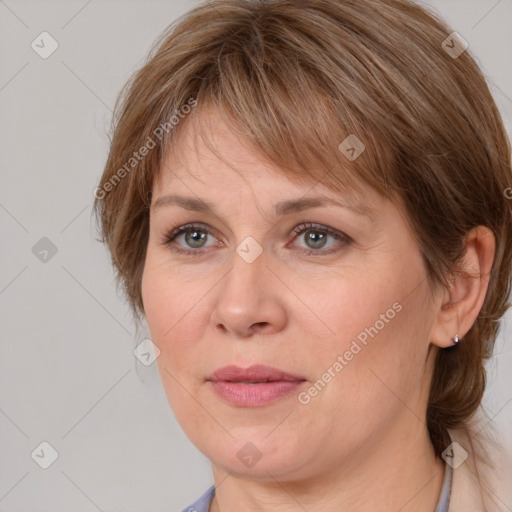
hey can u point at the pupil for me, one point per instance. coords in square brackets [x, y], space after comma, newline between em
[318, 239]
[191, 237]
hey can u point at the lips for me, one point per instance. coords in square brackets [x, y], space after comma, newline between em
[255, 386]
[254, 374]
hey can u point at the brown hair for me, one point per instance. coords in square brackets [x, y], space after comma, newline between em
[296, 78]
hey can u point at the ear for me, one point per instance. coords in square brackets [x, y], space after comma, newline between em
[460, 305]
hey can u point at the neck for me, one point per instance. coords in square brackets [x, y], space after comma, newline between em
[396, 472]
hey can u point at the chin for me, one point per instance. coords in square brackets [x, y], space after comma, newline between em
[256, 455]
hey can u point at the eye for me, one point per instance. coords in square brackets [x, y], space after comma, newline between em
[316, 238]
[195, 236]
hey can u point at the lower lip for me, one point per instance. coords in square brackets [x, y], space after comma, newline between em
[253, 395]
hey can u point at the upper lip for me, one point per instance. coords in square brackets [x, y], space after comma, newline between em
[254, 373]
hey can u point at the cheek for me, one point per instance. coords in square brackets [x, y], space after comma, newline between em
[175, 316]
[162, 311]
[378, 361]
[369, 327]
[156, 298]
[355, 307]
[163, 298]
[170, 319]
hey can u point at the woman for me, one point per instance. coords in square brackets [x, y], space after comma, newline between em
[305, 201]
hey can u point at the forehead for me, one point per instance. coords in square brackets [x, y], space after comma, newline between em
[210, 156]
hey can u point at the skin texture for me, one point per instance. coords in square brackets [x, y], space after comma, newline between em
[361, 443]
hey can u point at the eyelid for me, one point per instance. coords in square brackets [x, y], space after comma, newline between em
[174, 232]
[339, 236]
[305, 226]
[179, 229]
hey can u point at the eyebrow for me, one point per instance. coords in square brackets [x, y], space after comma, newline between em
[281, 209]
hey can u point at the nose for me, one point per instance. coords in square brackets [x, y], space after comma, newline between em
[250, 299]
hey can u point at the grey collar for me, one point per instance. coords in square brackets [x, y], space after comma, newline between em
[444, 497]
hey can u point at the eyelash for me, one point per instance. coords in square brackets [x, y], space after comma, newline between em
[300, 229]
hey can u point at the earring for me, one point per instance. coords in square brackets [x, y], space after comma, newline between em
[455, 339]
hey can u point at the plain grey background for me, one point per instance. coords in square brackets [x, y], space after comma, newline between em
[68, 373]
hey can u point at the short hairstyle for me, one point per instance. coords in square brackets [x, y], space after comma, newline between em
[296, 78]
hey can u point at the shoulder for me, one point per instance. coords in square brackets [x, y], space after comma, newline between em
[481, 471]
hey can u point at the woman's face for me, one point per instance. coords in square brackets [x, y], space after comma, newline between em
[342, 306]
